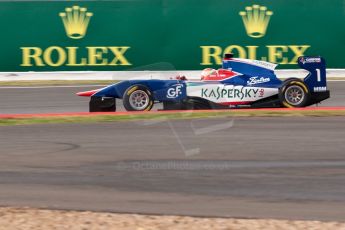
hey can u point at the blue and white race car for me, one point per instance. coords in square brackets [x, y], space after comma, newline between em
[240, 83]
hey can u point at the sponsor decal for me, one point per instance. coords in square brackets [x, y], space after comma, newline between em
[255, 19]
[236, 93]
[174, 91]
[320, 89]
[257, 80]
[279, 54]
[70, 56]
[76, 21]
[261, 92]
[264, 64]
[310, 60]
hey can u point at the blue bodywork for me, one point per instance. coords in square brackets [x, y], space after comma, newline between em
[175, 90]
[159, 89]
[249, 71]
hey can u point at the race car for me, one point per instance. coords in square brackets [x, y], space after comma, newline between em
[240, 83]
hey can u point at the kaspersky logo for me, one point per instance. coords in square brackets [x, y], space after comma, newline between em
[255, 19]
[76, 20]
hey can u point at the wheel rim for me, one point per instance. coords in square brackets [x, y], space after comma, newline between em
[139, 100]
[294, 95]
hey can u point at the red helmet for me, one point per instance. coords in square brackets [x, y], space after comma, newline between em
[206, 73]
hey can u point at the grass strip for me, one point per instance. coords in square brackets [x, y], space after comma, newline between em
[165, 116]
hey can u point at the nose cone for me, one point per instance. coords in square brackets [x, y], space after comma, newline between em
[87, 93]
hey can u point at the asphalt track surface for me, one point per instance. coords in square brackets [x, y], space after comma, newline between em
[15, 100]
[289, 168]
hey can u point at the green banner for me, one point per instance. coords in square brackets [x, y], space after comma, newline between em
[187, 34]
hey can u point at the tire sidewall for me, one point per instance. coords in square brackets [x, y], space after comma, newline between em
[294, 82]
[131, 90]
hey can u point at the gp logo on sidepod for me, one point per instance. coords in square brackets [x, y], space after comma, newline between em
[174, 91]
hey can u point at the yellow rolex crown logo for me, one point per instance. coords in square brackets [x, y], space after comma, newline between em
[76, 20]
[256, 19]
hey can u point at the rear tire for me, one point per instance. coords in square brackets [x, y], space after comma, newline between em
[294, 93]
[138, 98]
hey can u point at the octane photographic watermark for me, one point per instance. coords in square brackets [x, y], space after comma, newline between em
[219, 165]
[195, 129]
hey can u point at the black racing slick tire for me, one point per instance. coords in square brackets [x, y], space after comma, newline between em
[138, 98]
[294, 93]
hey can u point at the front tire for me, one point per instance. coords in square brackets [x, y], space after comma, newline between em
[138, 98]
[294, 93]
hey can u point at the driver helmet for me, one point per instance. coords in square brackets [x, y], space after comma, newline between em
[206, 73]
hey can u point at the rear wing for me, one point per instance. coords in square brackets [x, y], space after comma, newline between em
[316, 66]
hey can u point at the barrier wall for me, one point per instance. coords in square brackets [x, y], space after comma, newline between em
[166, 34]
